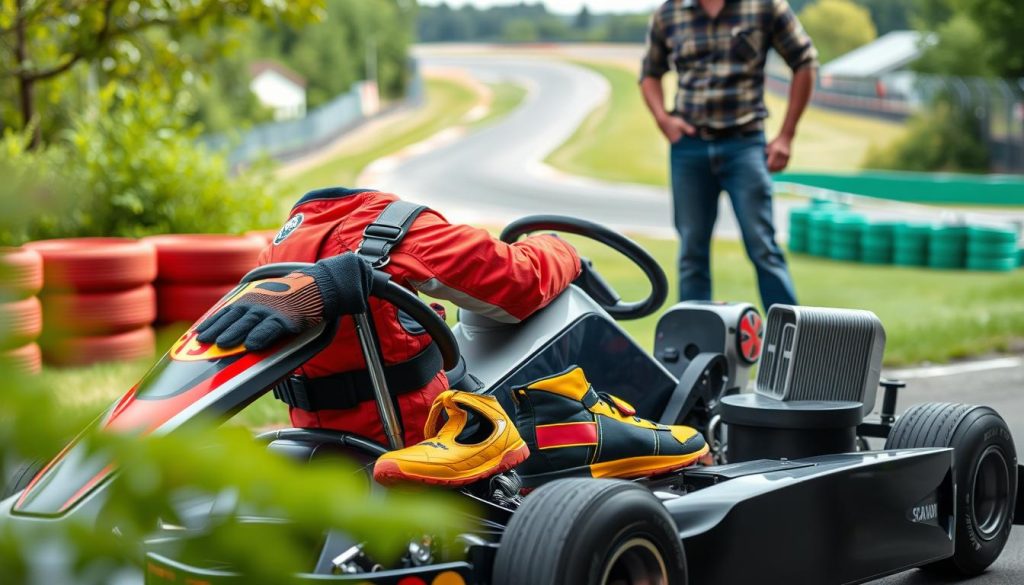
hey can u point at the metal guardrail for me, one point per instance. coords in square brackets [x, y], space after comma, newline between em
[290, 139]
[996, 104]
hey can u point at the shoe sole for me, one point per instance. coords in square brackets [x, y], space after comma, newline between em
[389, 472]
[632, 468]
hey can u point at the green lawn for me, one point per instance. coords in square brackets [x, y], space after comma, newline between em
[620, 142]
[446, 103]
[929, 315]
[506, 97]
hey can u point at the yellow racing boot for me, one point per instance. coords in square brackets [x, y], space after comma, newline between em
[463, 450]
[574, 431]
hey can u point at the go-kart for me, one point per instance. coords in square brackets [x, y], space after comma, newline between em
[791, 493]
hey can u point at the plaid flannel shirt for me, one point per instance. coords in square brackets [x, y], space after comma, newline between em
[721, 61]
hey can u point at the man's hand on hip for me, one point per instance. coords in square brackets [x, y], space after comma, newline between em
[777, 153]
[674, 127]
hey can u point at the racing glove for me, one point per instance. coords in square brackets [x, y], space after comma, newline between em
[299, 301]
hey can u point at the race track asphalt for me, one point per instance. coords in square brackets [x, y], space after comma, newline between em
[495, 174]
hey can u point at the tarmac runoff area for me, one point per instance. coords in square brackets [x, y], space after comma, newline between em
[496, 174]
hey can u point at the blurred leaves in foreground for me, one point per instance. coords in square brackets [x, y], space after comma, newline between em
[156, 474]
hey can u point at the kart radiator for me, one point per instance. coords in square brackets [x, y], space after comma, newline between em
[821, 354]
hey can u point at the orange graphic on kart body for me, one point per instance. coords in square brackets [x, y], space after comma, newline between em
[190, 349]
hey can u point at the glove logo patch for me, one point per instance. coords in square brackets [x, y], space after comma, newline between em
[289, 227]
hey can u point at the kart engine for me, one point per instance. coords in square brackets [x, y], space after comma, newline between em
[818, 379]
[694, 327]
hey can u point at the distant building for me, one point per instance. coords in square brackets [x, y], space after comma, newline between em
[279, 89]
[884, 64]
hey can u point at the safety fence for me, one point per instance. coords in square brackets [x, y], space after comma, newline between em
[294, 138]
[79, 301]
[996, 104]
[932, 188]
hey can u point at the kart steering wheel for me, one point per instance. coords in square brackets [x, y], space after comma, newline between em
[385, 289]
[589, 280]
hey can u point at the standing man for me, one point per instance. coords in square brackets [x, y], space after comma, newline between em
[716, 130]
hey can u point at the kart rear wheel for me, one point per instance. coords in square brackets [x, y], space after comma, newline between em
[590, 532]
[985, 472]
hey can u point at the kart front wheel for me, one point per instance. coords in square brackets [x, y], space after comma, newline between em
[985, 472]
[590, 532]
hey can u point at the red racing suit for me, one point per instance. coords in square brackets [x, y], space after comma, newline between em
[459, 263]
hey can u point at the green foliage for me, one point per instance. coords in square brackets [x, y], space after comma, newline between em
[153, 478]
[837, 27]
[354, 37]
[960, 49]
[940, 138]
[87, 44]
[520, 30]
[134, 168]
[1000, 23]
[514, 23]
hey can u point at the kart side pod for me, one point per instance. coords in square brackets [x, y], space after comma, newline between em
[818, 378]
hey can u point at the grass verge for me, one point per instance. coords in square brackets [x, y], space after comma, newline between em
[620, 142]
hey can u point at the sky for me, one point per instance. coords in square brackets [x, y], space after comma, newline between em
[566, 6]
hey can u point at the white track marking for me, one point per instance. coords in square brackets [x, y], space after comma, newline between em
[955, 369]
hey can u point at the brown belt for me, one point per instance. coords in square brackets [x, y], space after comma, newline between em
[708, 133]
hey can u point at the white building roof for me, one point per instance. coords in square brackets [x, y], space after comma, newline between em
[887, 53]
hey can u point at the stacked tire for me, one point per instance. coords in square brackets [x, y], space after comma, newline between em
[799, 229]
[991, 249]
[947, 247]
[21, 317]
[98, 301]
[910, 244]
[265, 237]
[844, 239]
[877, 243]
[196, 270]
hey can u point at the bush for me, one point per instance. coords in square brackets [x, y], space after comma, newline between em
[133, 168]
[940, 138]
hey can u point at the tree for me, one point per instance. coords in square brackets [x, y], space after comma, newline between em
[584, 20]
[520, 30]
[45, 40]
[960, 48]
[837, 27]
[1001, 23]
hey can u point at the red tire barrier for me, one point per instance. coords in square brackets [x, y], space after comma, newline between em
[21, 322]
[204, 258]
[21, 273]
[99, 312]
[91, 349]
[266, 237]
[95, 264]
[188, 302]
[27, 359]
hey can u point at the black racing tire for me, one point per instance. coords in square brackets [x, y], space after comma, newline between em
[19, 478]
[985, 472]
[590, 532]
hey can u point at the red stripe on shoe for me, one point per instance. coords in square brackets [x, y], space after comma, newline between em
[566, 435]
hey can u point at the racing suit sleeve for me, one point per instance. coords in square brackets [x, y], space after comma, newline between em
[479, 273]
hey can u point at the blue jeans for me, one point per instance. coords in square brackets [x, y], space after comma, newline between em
[701, 170]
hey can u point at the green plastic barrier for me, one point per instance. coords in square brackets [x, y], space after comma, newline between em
[947, 188]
